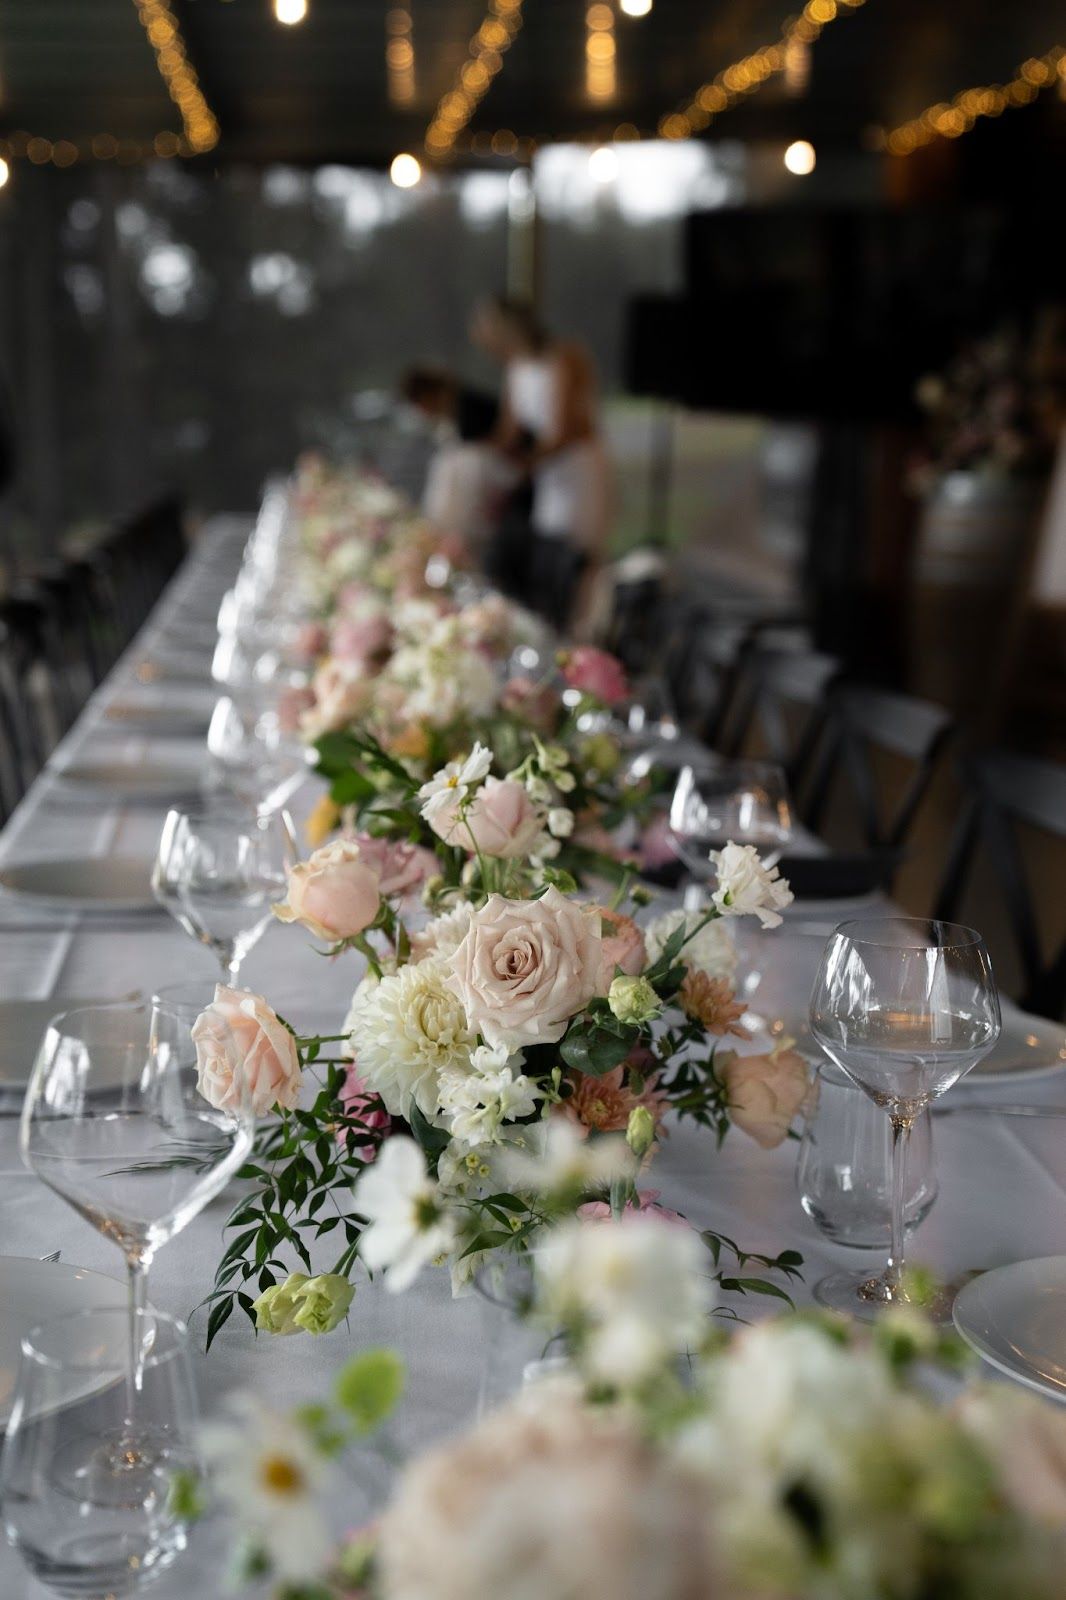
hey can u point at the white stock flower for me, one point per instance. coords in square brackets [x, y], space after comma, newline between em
[746, 887]
[454, 781]
[493, 1092]
[409, 1225]
[636, 1290]
[560, 822]
[556, 1160]
[273, 1481]
[711, 950]
[443, 684]
[405, 1031]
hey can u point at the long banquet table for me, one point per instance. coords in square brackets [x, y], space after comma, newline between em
[1002, 1181]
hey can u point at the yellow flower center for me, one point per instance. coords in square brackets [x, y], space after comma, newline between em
[281, 1475]
[453, 781]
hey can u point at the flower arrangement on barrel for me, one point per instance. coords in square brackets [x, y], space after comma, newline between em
[517, 1039]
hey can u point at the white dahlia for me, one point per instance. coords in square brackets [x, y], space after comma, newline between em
[407, 1030]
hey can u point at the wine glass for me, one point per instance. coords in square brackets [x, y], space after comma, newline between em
[904, 1006]
[114, 1123]
[88, 1520]
[746, 802]
[253, 754]
[219, 871]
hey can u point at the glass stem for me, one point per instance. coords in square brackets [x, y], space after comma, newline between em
[231, 966]
[137, 1264]
[901, 1129]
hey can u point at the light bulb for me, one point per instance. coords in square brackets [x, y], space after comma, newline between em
[405, 171]
[800, 157]
[290, 12]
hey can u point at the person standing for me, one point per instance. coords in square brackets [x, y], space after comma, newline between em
[549, 426]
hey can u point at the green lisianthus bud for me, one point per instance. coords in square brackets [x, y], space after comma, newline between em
[633, 1000]
[323, 1303]
[275, 1310]
[640, 1131]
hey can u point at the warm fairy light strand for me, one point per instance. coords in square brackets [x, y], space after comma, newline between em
[198, 120]
[951, 119]
[483, 62]
[400, 55]
[601, 52]
[748, 74]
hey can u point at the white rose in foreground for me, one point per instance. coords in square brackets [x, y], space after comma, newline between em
[748, 888]
[243, 1050]
[552, 1499]
[526, 967]
[334, 893]
[407, 1030]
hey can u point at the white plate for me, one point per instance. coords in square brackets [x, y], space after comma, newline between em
[1028, 1047]
[107, 884]
[1015, 1317]
[190, 670]
[22, 1027]
[132, 782]
[31, 1292]
[164, 721]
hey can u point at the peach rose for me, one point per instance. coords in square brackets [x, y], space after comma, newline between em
[334, 893]
[501, 820]
[525, 967]
[765, 1093]
[242, 1049]
[341, 692]
[622, 947]
[596, 673]
[359, 638]
[400, 867]
[310, 640]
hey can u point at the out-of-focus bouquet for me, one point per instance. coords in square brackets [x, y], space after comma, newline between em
[503, 1063]
[986, 413]
[801, 1459]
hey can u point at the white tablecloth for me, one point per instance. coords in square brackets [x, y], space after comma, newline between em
[1002, 1182]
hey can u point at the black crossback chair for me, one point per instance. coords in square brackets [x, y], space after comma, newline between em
[1007, 793]
[779, 699]
[861, 726]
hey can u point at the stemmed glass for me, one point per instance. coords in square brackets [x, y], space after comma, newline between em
[743, 801]
[114, 1123]
[253, 754]
[218, 872]
[904, 1007]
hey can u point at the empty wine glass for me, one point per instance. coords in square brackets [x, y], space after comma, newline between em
[219, 871]
[254, 755]
[85, 1519]
[904, 1007]
[114, 1123]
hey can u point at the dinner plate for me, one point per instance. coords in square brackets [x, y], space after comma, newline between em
[1028, 1047]
[22, 1027]
[32, 1292]
[135, 783]
[1015, 1317]
[105, 884]
[162, 721]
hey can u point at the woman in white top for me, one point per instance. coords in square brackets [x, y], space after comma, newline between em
[548, 423]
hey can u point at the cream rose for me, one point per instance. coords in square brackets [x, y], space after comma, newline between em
[341, 693]
[765, 1093]
[334, 893]
[501, 820]
[242, 1049]
[526, 967]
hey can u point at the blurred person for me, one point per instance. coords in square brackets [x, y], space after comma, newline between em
[549, 427]
[467, 481]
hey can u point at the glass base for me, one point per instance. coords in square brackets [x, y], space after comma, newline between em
[131, 1468]
[866, 1296]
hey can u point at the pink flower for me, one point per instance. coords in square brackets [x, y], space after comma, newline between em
[656, 844]
[334, 893]
[536, 704]
[525, 967]
[604, 1104]
[340, 693]
[293, 702]
[501, 820]
[244, 1052]
[400, 867]
[645, 1200]
[354, 595]
[360, 638]
[622, 947]
[596, 673]
[310, 640]
[359, 1102]
[765, 1093]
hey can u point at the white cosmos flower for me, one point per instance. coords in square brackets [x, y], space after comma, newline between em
[454, 780]
[637, 1290]
[556, 1160]
[274, 1481]
[711, 950]
[409, 1224]
[747, 887]
[405, 1031]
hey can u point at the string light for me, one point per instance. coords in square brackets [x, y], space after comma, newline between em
[198, 120]
[400, 55]
[405, 171]
[747, 75]
[951, 119]
[800, 158]
[290, 12]
[601, 52]
[495, 36]
[635, 8]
